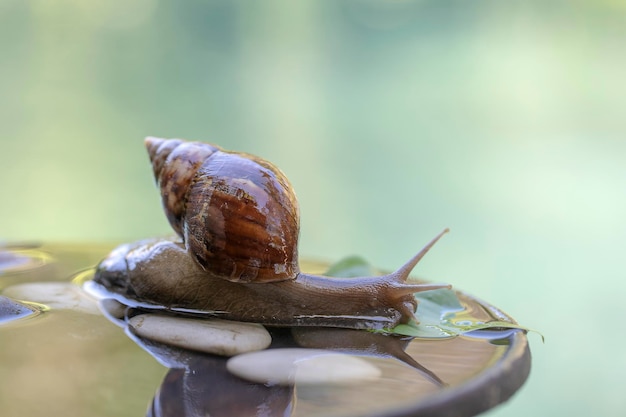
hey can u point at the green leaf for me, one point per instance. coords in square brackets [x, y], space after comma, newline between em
[442, 300]
[442, 315]
[433, 306]
[351, 267]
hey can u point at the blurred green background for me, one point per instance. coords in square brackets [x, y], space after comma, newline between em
[503, 120]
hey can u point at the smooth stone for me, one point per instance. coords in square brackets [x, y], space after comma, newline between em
[220, 337]
[113, 310]
[289, 366]
[13, 310]
[10, 260]
[56, 295]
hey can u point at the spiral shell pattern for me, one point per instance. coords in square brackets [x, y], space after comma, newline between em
[237, 213]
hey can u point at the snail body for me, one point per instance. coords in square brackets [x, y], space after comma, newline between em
[235, 256]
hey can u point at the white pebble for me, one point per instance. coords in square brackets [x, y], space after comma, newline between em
[113, 310]
[56, 295]
[290, 366]
[220, 337]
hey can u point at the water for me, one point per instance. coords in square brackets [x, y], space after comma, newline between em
[71, 360]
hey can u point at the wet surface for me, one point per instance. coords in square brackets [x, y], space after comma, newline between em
[69, 361]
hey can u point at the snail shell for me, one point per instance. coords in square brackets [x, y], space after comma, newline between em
[237, 256]
[237, 213]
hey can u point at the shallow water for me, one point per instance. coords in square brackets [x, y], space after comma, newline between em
[68, 359]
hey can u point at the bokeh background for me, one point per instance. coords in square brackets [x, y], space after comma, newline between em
[503, 120]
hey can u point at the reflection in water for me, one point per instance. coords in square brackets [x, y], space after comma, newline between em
[209, 389]
[199, 384]
[17, 258]
[361, 343]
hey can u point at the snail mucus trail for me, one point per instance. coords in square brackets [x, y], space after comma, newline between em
[235, 255]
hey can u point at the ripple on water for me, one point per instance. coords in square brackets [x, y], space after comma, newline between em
[20, 258]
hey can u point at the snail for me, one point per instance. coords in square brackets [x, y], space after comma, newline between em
[235, 255]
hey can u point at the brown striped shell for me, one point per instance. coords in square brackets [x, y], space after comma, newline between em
[237, 213]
